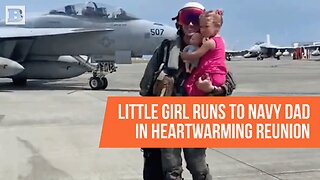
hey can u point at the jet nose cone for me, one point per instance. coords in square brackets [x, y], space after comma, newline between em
[9, 67]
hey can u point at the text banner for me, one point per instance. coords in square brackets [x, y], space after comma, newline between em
[222, 122]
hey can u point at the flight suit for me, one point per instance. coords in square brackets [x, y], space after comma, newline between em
[166, 163]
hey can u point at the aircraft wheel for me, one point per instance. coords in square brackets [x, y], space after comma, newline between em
[19, 81]
[95, 83]
[104, 82]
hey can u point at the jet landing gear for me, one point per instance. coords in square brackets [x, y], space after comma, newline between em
[99, 71]
[259, 58]
[99, 81]
[19, 81]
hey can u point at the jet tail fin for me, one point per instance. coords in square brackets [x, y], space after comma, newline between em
[268, 39]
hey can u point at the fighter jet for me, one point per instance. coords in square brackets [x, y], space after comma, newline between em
[262, 50]
[269, 50]
[127, 36]
[265, 49]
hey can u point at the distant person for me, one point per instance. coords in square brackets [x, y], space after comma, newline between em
[70, 10]
[212, 65]
[166, 163]
[195, 42]
[122, 14]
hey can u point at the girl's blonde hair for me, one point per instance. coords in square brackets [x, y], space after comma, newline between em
[212, 17]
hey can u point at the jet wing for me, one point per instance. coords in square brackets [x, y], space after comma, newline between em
[290, 49]
[10, 32]
[311, 47]
[53, 41]
[236, 53]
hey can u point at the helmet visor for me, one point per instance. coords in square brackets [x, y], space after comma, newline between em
[189, 15]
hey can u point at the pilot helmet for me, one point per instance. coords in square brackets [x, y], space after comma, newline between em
[193, 5]
[189, 12]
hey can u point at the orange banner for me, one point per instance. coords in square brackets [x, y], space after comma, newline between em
[220, 122]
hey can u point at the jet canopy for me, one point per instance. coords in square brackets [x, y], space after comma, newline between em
[259, 43]
[94, 10]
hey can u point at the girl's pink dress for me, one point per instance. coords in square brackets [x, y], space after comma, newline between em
[211, 65]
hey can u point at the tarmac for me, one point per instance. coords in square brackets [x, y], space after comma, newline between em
[50, 130]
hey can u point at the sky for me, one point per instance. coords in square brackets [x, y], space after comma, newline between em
[245, 21]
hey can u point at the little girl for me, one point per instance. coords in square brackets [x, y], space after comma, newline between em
[212, 55]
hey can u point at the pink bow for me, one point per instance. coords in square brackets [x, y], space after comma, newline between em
[219, 12]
